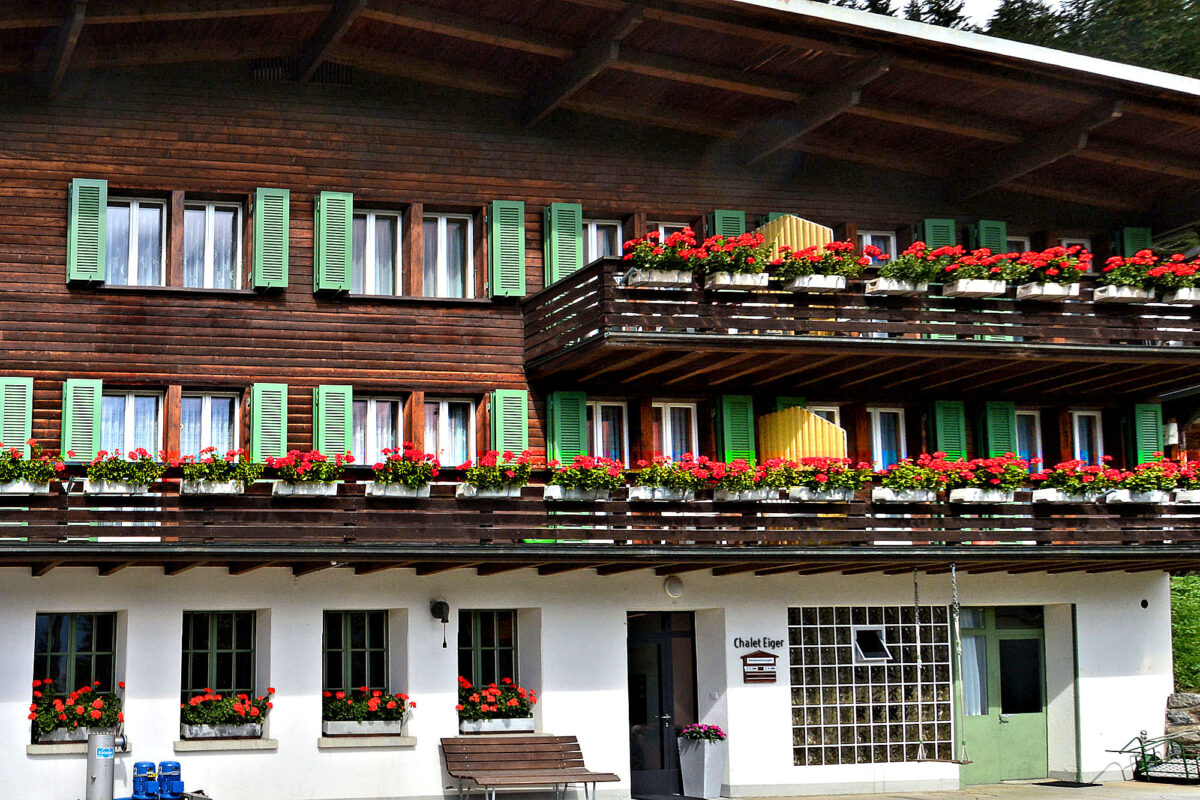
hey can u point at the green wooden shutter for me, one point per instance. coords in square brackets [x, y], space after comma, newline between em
[723, 222]
[938, 233]
[333, 241]
[950, 428]
[333, 419]
[510, 420]
[566, 426]
[1131, 240]
[268, 420]
[563, 240]
[81, 418]
[506, 249]
[774, 215]
[87, 230]
[271, 238]
[999, 428]
[16, 413]
[991, 234]
[1146, 434]
[789, 402]
[737, 427]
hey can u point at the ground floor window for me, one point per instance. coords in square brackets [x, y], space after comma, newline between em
[75, 650]
[218, 652]
[487, 646]
[355, 650]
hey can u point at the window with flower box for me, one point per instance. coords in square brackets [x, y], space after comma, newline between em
[218, 652]
[450, 430]
[1018, 244]
[1087, 436]
[448, 266]
[887, 436]
[675, 428]
[135, 241]
[76, 649]
[608, 430]
[355, 650]
[208, 420]
[376, 253]
[129, 420]
[884, 240]
[1029, 434]
[665, 229]
[212, 245]
[1083, 242]
[487, 646]
[602, 237]
[378, 426]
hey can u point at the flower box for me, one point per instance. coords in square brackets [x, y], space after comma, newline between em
[24, 487]
[1122, 294]
[1059, 497]
[882, 494]
[702, 764]
[660, 494]
[213, 487]
[499, 493]
[1183, 297]
[366, 727]
[396, 490]
[744, 496]
[1153, 497]
[1047, 292]
[509, 725]
[740, 281]
[114, 487]
[816, 284]
[1187, 497]
[312, 489]
[802, 494]
[891, 287]
[240, 731]
[972, 494]
[567, 494]
[638, 278]
[974, 287]
[69, 735]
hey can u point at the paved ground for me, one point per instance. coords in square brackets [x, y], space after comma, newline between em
[1033, 791]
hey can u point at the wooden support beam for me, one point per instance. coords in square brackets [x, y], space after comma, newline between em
[372, 567]
[465, 26]
[251, 566]
[179, 569]
[734, 569]
[32, 14]
[64, 47]
[942, 120]
[1147, 159]
[558, 569]
[698, 73]
[679, 569]
[335, 25]
[433, 568]
[811, 365]
[616, 569]
[114, 568]
[483, 570]
[38, 570]
[713, 366]
[298, 570]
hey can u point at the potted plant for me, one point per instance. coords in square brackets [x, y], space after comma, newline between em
[309, 474]
[910, 272]
[225, 475]
[822, 269]
[364, 712]
[1187, 489]
[819, 479]
[503, 708]
[739, 481]
[214, 716]
[20, 475]
[1074, 482]
[987, 480]
[588, 478]
[110, 473]
[1051, 275]
[659, 265]
[404, 472]
[495, 478]
[1176, 276]
[662, 479]
[979, 273]
[70, 719]
[702, 759]
[909, 481]
[1124, 280]
[734, 262]
[1149, 483]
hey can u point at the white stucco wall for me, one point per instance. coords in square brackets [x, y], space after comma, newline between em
[572, 629]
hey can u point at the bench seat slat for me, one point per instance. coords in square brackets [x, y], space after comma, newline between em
[492, 761]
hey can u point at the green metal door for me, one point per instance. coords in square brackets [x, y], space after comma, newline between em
[1003, 694]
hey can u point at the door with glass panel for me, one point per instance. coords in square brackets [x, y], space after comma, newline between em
[662, 697]
[1003, 694]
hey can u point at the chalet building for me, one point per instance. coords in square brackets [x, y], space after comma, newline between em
[276, 225]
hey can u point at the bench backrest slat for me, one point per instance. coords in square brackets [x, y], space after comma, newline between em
[504, 754]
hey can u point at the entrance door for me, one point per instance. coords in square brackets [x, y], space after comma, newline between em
[662, 697]
[1003, 692]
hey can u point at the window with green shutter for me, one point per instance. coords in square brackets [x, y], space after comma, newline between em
[563, 240]
[771, 216]
[333, 420]
[938, 233]
[16, 413]
[268, 420]
[737, 427]
[271, 238]
[723, 222]
[950, 428]
[510, 420]
[990, 233]
[87, 232]
[333, 242]
[506, 249]
[1131, 240]
[1145, 432]
[782, 403]
[566, 435]
[81, 418]
[1000, 428]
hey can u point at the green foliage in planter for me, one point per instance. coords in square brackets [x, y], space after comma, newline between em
[233, 466]
[1004, 473]
[310, 467]
[926, 472]
[137, 467]
[835, 258]
[86, 707]
[504, 701]
[675, 252]
[1160, 474]
[1188, 476]
[406, 466]
[364, 705]
[38, 468]
[1185, 631]
[501, 471]
[981, 265]
[1132, 271]
[211, 708]
[686, 473]
[738, 475]
[918, 264]
[1078, 477]
[589, 472]
[1063, 265]
[818, 473]
[746, 254]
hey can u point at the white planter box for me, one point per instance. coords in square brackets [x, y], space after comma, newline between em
[114, 487]
[660, 494]
[504, 492]
[1060, 497]
[881, 494]
[803, 494]
[314, 489]
[1047, 292]
[816, 284]
[213, 487]
[745, 496]
[1182, 297]
[974, 287]
[975, 495]
[703, 766]
[895, 288]
[66, 735]
[370, 727]
[1187, 497]
[1154, 497]
[1122, 294]
[24, 487]
[519, 725]
[658, 279]
[742, 281]
[377, 489]
[555, 493]
[241, 731]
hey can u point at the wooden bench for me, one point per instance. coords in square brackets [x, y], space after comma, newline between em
[501, 762]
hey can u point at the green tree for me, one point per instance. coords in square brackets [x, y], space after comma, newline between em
[946, 13]
[1185, 631]
[874, 6]
[1031, 21]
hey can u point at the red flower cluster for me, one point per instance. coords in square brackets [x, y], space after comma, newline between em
[364, 705]
[213, 708]
[38, 468]
[1053, 265]
[1147, 271]
[406, 465]
[588, 472]
[310, 467]
[506, 701]
[688, 472]
[834, 258]
[85, 707]
[746, 252]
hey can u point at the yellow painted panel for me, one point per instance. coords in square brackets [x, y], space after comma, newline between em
[795, 232]
[796, 433]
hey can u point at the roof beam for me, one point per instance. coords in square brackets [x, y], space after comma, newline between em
[113, 569]
[38, 570]
[160, 11]
[944, 120]
[464, 26]
[370, 568]
[1147, 159]
[64, 47]
[697, 73]
[335, 25]
[178, 569]
[250, 566]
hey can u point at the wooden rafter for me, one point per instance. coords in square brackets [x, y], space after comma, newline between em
[249, 566]
[1147, 159]
[64, 47]
[15, 16]
[943, 120]
[43, 568]
[697, 73]
[179, 569]
[465, 26]
[113, 568]
[335, 25]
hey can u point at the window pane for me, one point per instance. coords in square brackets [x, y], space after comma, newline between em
[360, 431]
[358, 271]
[221, 420]
[193, 247]
[385, 255]
[432, 426]
[386, 413]
[608, 240]
[145, 423]
[884, 243]
[681, 431]
[974, 661]
[459, 419]
[429, 261]
[1020, 676]
[888, 447]
[112, 423]
[658, 434]
[224, 248]
[1085, 439]
[149, 233]
[456, 258]
[191, 412]
[591, 433]
[1028, 445]
[612, 432]
[117, 245]
[827, 414]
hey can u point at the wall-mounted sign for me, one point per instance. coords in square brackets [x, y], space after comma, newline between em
[762, 641]
[759, 667]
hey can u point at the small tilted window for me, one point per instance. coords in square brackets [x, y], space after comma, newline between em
[869, 645]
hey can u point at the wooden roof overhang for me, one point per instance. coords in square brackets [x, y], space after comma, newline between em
[836, 84]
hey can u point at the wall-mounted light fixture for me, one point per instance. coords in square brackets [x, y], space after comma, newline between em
[440, 610]
[673, 586]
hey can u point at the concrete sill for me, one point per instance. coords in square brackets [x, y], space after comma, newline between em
[224, 745]
[63, 749]
[348, 742]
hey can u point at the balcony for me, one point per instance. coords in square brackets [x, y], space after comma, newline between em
[590, 331]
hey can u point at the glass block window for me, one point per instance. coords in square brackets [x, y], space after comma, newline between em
[355, 650]
[845, 712]
[487, 646]
[75, 650]
[218, 652]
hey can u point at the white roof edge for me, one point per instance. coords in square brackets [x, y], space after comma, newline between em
[1150, 78]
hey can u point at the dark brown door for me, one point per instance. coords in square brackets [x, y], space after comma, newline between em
[662, 697]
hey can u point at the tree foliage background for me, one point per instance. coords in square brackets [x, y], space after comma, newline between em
[1185, 631]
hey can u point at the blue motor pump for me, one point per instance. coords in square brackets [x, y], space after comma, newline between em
[165, 783]
[170, 780]
[145, 783]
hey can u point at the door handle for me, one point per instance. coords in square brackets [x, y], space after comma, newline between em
[1004, 719]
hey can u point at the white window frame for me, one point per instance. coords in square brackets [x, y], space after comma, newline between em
[1075, 415]
[873, 413]
[836, 411]
[1037, 427]
[443, 432]
[1026, 243]
[864, 239]
[1072, 241]
[592, 241]
[442, 276]
[210, 206]
[206, 416]
[130, 417]
[665, 229]
[666, 406]
[369, 451]
[595, 406]
[880, 631]
[369, 251]
[131, 266]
